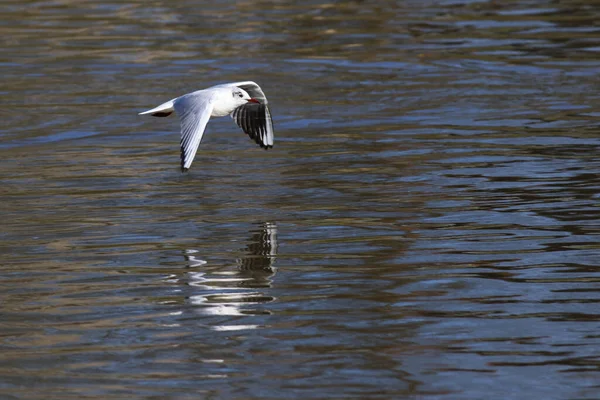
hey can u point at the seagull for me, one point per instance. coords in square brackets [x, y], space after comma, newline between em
[244, 101]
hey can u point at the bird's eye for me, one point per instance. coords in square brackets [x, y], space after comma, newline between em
[241, 95]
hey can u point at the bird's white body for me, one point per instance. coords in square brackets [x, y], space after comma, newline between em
[244, 101]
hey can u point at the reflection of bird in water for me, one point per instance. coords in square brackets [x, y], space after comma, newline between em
[261, 251]
[225, 292]
[193, 260]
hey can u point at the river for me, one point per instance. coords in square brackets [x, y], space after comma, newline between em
[426, 225]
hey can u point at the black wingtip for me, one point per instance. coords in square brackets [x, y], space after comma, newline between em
[162, 114]
[260, 143]
[182, 160]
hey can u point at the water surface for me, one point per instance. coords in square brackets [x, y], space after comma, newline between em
[426, 225]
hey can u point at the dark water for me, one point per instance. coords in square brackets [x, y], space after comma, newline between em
[427, 225]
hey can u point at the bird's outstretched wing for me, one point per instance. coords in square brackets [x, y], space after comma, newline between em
[194, 112]
[255, 118]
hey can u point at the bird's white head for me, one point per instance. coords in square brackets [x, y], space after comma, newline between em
[228, 99]
[241, 96]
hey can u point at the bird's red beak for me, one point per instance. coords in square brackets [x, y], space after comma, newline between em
[253, 101]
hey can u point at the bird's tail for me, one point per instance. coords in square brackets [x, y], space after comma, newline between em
[164, 110]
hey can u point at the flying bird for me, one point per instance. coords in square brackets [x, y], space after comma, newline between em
[244, 101]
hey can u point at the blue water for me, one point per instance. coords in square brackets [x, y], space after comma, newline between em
[425, 227]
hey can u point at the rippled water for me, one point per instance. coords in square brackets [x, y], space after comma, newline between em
[426, 226]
